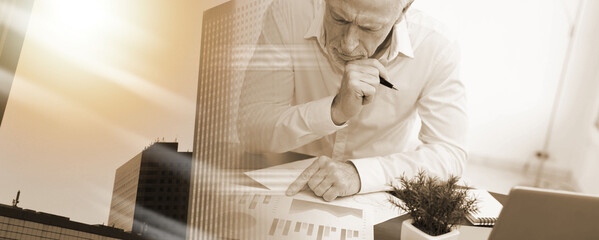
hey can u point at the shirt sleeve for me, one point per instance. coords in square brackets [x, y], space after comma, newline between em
[268, 120]
[442, 111]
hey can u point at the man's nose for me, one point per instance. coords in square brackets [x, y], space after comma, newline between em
[350, 39]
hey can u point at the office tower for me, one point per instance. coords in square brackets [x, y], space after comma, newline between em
[229, 32]
[18, 223]
[151, 192]
[14, 18]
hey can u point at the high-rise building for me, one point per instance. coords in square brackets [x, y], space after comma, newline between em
[17, 223]
[229, 33]
[151, 192]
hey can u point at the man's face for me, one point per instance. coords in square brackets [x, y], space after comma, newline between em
[355, 28]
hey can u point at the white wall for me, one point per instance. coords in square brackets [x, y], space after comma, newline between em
[575, 141]
[512, 53]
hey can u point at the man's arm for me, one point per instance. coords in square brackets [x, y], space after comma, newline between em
[267, 120]
[442, 110]
[444, 124]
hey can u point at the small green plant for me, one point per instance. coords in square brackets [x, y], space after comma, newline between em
[434, 205]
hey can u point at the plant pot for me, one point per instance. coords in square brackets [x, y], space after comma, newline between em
[409, 232]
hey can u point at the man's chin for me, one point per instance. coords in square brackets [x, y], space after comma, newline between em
[338, 60]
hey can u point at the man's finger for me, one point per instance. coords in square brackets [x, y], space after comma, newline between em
[331, 194]
[378, 65]
[368, 94]
[382, 71]
[303, 179]
[316, 179]
[324, 185]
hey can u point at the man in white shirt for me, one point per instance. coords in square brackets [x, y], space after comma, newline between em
[313, 87]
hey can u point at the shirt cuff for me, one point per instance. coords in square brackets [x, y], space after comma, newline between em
[372, 175]
[321, 121]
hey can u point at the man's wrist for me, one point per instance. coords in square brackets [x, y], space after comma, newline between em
[359, 183]
[372, 175]
[336, 114]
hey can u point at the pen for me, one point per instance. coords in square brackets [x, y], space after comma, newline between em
[386, 83]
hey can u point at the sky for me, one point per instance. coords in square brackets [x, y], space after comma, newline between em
[97, 81]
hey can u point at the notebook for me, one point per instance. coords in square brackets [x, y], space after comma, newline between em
[488, 208]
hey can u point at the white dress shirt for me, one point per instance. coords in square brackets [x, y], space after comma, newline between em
[290, 83]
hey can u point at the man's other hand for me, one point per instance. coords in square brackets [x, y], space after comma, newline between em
[358, 88]
[328, 179]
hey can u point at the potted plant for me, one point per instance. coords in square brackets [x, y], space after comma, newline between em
[435, 206]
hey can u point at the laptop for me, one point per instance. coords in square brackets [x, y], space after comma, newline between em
[533, 213]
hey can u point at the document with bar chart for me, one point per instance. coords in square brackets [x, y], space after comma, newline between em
[262, 216]
[262, 211]
[313, 220]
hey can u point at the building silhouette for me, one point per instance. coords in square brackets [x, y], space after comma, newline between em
[19, 223]
[151, 192]
[229, 33]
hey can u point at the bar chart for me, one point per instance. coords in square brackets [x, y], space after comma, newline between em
[264, 215]
[289, 229]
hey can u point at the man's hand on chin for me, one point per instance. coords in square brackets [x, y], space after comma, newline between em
[358, 88]
[328, 179]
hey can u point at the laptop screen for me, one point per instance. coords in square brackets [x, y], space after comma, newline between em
[532, 213]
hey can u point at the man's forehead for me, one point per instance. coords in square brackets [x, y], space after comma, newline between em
[393, 5]
[381, 10]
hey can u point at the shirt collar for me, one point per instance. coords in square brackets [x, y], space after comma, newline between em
[400, 40]
[316, 30]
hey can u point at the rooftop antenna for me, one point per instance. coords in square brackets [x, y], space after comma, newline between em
[16, 201]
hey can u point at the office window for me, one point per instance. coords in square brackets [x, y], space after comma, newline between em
[36, 232]
[19, 229]
[86, 235]
[18, 222]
